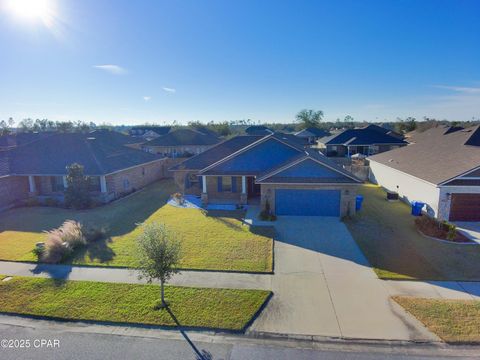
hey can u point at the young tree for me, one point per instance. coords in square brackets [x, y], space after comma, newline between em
[77, 195]
[309, 118]
[159, 253]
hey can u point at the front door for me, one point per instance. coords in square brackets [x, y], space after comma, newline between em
[252, 188]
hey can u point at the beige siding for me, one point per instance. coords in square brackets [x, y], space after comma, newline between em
[408, 187]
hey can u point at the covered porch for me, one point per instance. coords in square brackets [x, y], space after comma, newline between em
[228, 189]
[53, 187]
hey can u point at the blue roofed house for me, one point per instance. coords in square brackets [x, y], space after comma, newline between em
[312, 134]
[256, 169]
[369, 140]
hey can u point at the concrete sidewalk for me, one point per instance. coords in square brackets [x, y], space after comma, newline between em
[116, 275]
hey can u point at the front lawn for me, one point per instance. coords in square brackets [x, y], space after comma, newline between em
[454, 321]
[130, 303]
[213, 243]
[386, 233]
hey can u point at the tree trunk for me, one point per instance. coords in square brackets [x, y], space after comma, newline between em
[162, 292]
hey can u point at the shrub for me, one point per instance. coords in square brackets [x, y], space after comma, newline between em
[55, 249]
[31, 202]
[178, 198]
[451, 230]
[39, 252]
[61, 242]
[52, 202]
[72, 234]
[266, 214]
[77, 195]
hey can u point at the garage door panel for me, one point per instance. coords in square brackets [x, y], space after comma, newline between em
[307, 202]
[465, 207]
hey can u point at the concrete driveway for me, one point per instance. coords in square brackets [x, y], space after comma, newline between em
[324, 286]
[470, 229]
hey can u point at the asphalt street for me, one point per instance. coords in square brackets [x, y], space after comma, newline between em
[58, 344]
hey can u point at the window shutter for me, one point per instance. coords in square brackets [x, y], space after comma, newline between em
[200, 182]
[234, 184]
[219, 184]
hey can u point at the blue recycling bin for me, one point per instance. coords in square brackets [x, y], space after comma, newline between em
[417, 207]
[358, 202]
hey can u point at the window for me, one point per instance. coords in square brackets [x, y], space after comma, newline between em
[57, 183]
[143, 171]
[94, 183]
[334, 147]
[226, 183]
[126, 184]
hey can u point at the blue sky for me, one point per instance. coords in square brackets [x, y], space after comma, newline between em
[143, 61]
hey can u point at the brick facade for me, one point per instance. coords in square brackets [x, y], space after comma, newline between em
[128, 180]
[12, 190]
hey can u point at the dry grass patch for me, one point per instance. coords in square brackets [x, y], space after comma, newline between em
[454, 321]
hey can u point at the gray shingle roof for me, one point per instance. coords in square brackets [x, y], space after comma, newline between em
[311, 131]
[436, 155]
[184, 137]
[100, 152]
[370, 135]
[258, 130]
[217, 152]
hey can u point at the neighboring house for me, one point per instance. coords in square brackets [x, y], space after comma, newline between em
[37, 167]
[258, 130]
[312, 134]
[181, 143]
[149, 132]
[274, 169]
[369, 140]
[441, 167]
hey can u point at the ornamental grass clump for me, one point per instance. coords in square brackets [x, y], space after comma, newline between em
[61, 242]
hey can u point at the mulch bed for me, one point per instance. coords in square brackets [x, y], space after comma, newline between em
[433, 228]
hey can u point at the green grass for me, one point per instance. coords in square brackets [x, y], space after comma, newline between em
[454, 321]
[130, 303]
[386, 233]
[213, 243]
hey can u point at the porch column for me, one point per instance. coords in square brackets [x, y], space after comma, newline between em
[204, 196]
[243, 195]
[31, 184]
[204, 184]
[103, 184]
[65, 183]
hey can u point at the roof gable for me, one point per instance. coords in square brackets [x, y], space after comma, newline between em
[258, 158]
[216, 153]
[308, 168]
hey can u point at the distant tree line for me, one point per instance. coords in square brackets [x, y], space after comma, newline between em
[44, 125]
[304, 119]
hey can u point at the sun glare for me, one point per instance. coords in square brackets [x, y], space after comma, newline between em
[32, 9]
